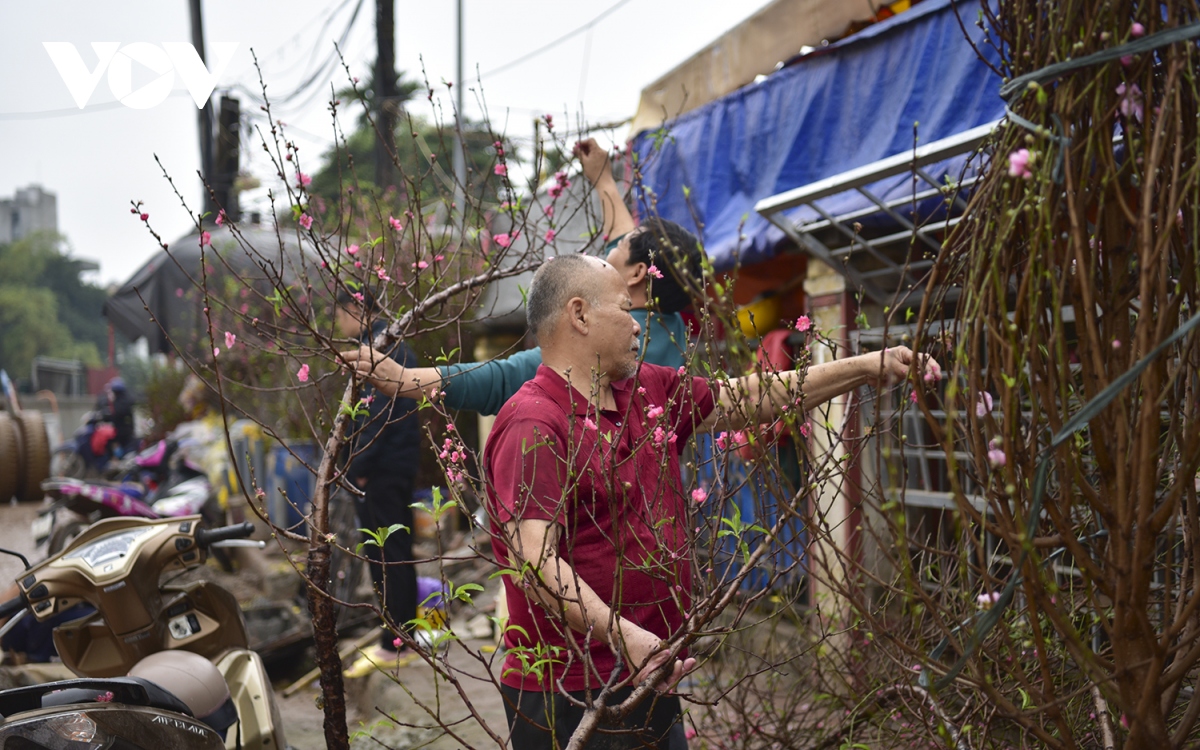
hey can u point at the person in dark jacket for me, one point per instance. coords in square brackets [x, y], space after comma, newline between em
[383, 455]
[116, 406]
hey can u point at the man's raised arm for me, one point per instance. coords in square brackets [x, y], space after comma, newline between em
[760, 398]
[598, 170]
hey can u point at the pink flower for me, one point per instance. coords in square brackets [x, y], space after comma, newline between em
[1116, 344]
[382, 274]
[216, 351]
[352, 250]
[803, 323]
[1018, 164]
[739, 439]
[1131, 101]
[805, 430]
[105, 697]
[916, 667]
[549, 121]
[357, 296]
[505, 239]
[221, 218]
[501, 170]
[549, 211]
[303, 180]
[589, 424]
[653, 271]
[205, 239]
[722, 440]
[554, 191]
[660, 435]
[655, 412]
[983, 406]
[144, 217]
[398, 643]
[912, 396]
[306, 221]
[689, 734]
[178, 292]
[550, 235]
[699, 495]
[987, 599]
[302, 374]
[996, 455]
[230, 339]
[438, 258]
[1138, 30]
[421, 265]
[396, 225]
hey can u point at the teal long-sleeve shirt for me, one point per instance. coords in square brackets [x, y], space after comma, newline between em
[484, 386]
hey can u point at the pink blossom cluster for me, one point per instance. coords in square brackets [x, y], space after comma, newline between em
[731, 441]
[561, 183]
[454, 455]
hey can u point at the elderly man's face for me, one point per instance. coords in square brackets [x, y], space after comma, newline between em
[614, 333]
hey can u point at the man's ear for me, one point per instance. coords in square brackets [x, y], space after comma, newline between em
[637, 275]
[577, 312]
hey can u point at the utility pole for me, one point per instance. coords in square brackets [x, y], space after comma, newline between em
[206, 113]
[227, 157]
[460, 159]
[385, 92]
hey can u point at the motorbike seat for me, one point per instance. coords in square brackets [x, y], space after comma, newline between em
[134, 691]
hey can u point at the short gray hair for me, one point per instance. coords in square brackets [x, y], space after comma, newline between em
[558, 280]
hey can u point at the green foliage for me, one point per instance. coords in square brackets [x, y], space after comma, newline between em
[45, 310]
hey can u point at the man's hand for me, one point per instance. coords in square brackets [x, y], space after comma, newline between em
[377, 368]
[594, 159]
[644, 649]
[893, 364]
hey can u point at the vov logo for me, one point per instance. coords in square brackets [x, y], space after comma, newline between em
[166, 61]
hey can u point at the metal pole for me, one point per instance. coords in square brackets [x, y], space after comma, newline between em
[206, 114]
[460, 160]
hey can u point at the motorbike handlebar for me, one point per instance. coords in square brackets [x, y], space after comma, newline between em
[12, 606]
[205, 537]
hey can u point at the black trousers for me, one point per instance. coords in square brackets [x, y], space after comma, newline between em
[388, 501]
[546, 720]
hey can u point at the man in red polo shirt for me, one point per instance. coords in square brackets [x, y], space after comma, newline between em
[589, 514]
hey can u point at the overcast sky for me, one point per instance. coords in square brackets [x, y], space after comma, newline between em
[97, 159]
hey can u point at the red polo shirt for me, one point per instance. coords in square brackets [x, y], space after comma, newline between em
[611, 481]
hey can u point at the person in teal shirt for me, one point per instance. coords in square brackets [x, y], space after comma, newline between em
[659, 258]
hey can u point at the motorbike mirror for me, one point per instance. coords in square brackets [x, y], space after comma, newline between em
[23, 559]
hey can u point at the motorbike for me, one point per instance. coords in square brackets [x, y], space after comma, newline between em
[161, 665]
[153, 483]
[90, 451]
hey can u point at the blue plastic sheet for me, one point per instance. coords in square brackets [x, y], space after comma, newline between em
[854, 103]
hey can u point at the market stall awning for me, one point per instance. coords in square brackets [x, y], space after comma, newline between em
[910, 80]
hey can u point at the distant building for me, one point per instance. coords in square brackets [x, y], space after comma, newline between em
[30, 210]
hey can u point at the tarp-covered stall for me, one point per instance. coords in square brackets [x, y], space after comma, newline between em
[860, 100]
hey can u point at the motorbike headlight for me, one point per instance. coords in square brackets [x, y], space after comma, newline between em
[70, 731]
[74, 728]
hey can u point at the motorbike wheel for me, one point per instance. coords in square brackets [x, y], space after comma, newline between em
[37, 455]
[10, 458]
[68, 463]
[63, 535]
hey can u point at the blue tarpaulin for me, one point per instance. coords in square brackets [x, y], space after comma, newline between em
[854, 103]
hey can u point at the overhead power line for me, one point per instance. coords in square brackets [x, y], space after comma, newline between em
[556, 42]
